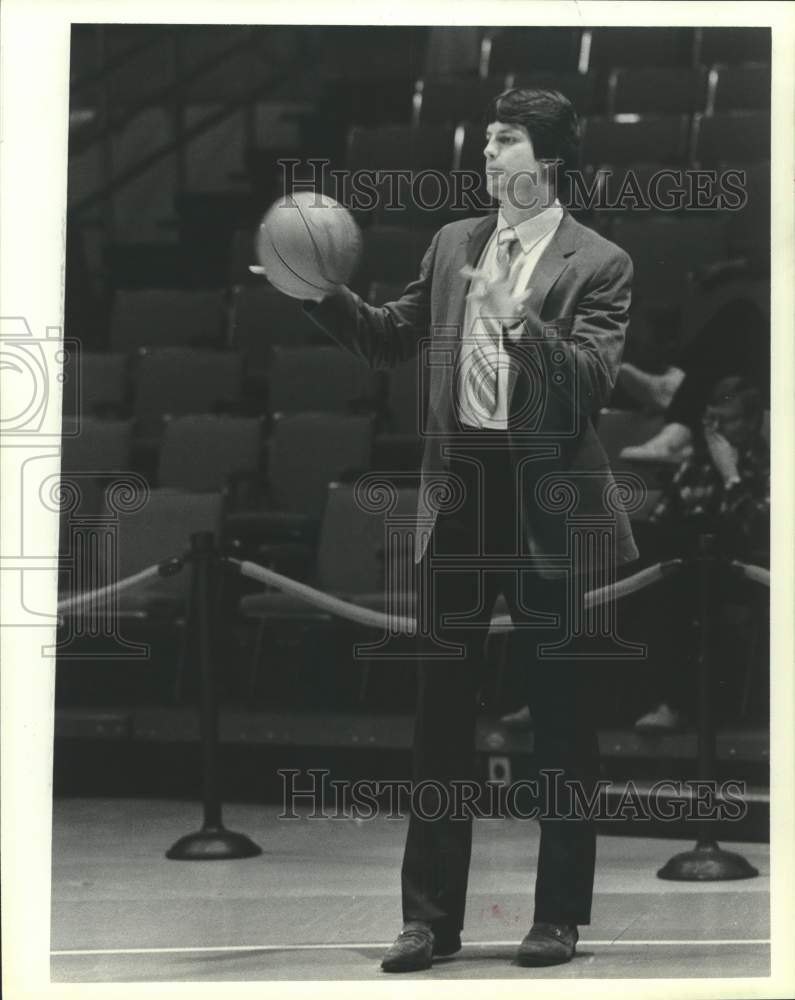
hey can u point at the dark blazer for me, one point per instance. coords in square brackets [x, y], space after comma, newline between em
[567, 364]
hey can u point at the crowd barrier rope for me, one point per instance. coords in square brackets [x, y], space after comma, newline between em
[365, 616]
[345, 609]
[707, 862]
[166, 568]
[756, 573]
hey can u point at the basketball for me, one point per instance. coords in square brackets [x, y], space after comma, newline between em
[308, 244]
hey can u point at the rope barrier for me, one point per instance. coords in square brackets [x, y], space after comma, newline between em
[376, 619]
[334, 605]
[169, 567]
[756, 573]
[622, 588]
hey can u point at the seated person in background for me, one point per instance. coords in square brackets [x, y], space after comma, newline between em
[736, 339]
[723, 487]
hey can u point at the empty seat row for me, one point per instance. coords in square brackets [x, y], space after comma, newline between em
[176, 381]
[641, 90]
[513, 49]
[700, 140]
[262, 322]
[274, 489]
[254, 318]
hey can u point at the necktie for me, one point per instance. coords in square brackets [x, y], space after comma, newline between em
[481, 378]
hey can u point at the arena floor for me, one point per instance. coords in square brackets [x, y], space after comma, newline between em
[323, 902]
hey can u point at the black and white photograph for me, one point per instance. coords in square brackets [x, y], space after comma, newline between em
[397, 541]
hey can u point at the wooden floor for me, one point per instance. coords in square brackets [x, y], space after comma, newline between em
[323, 902]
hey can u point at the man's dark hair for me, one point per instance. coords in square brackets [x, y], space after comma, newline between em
[550, 120]
[736, 388]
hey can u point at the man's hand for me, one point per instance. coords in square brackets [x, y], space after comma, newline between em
[723, 454]
[495, 298]
[317, 297]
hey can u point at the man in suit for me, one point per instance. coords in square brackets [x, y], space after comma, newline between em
[519, 321]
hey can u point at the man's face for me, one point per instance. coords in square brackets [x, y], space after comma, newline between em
[512, 171]
[729, 419]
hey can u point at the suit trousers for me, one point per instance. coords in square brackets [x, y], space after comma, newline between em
[437, 853]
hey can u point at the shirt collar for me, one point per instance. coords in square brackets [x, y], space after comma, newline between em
[532, 230]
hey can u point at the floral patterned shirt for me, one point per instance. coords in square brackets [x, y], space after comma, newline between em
[739, 514]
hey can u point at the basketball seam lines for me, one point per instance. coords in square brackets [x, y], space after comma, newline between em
[319, 257]
[290, 269]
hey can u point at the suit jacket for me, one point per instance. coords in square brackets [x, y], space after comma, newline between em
[566, 364]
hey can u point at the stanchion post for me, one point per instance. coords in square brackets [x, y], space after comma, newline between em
[213, 842]
[707, 862]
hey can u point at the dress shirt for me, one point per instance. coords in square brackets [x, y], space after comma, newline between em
[534, 236]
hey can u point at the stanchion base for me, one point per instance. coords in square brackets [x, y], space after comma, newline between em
[706, 863]
[213, 843]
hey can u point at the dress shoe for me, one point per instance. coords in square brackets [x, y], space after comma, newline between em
[548, 944]
[417, 945]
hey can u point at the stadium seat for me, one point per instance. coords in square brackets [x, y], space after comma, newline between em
[203, 453]
[524, 50]
[629, 186]
[731, 137]
[748, 230]
[732, 45]
[739, 88]
[400, 147]
[98, 447]
[102, 383]
[399, 445]
[140, 204]
[231, 80]
[178, 380]
[393, 253]
[160, 529]
[449, 100]
[369, 51]
[645, 90]
[617, 429]
[605, 48]
[151, 529]
[241, 256]
[634, 138]
[92, 453]
[391, 148]
[350, 564]
[262, 318]
[166, 318]
[580, 88]
[322, 379]
[306, 451]
[216, 154]
[665, 251]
